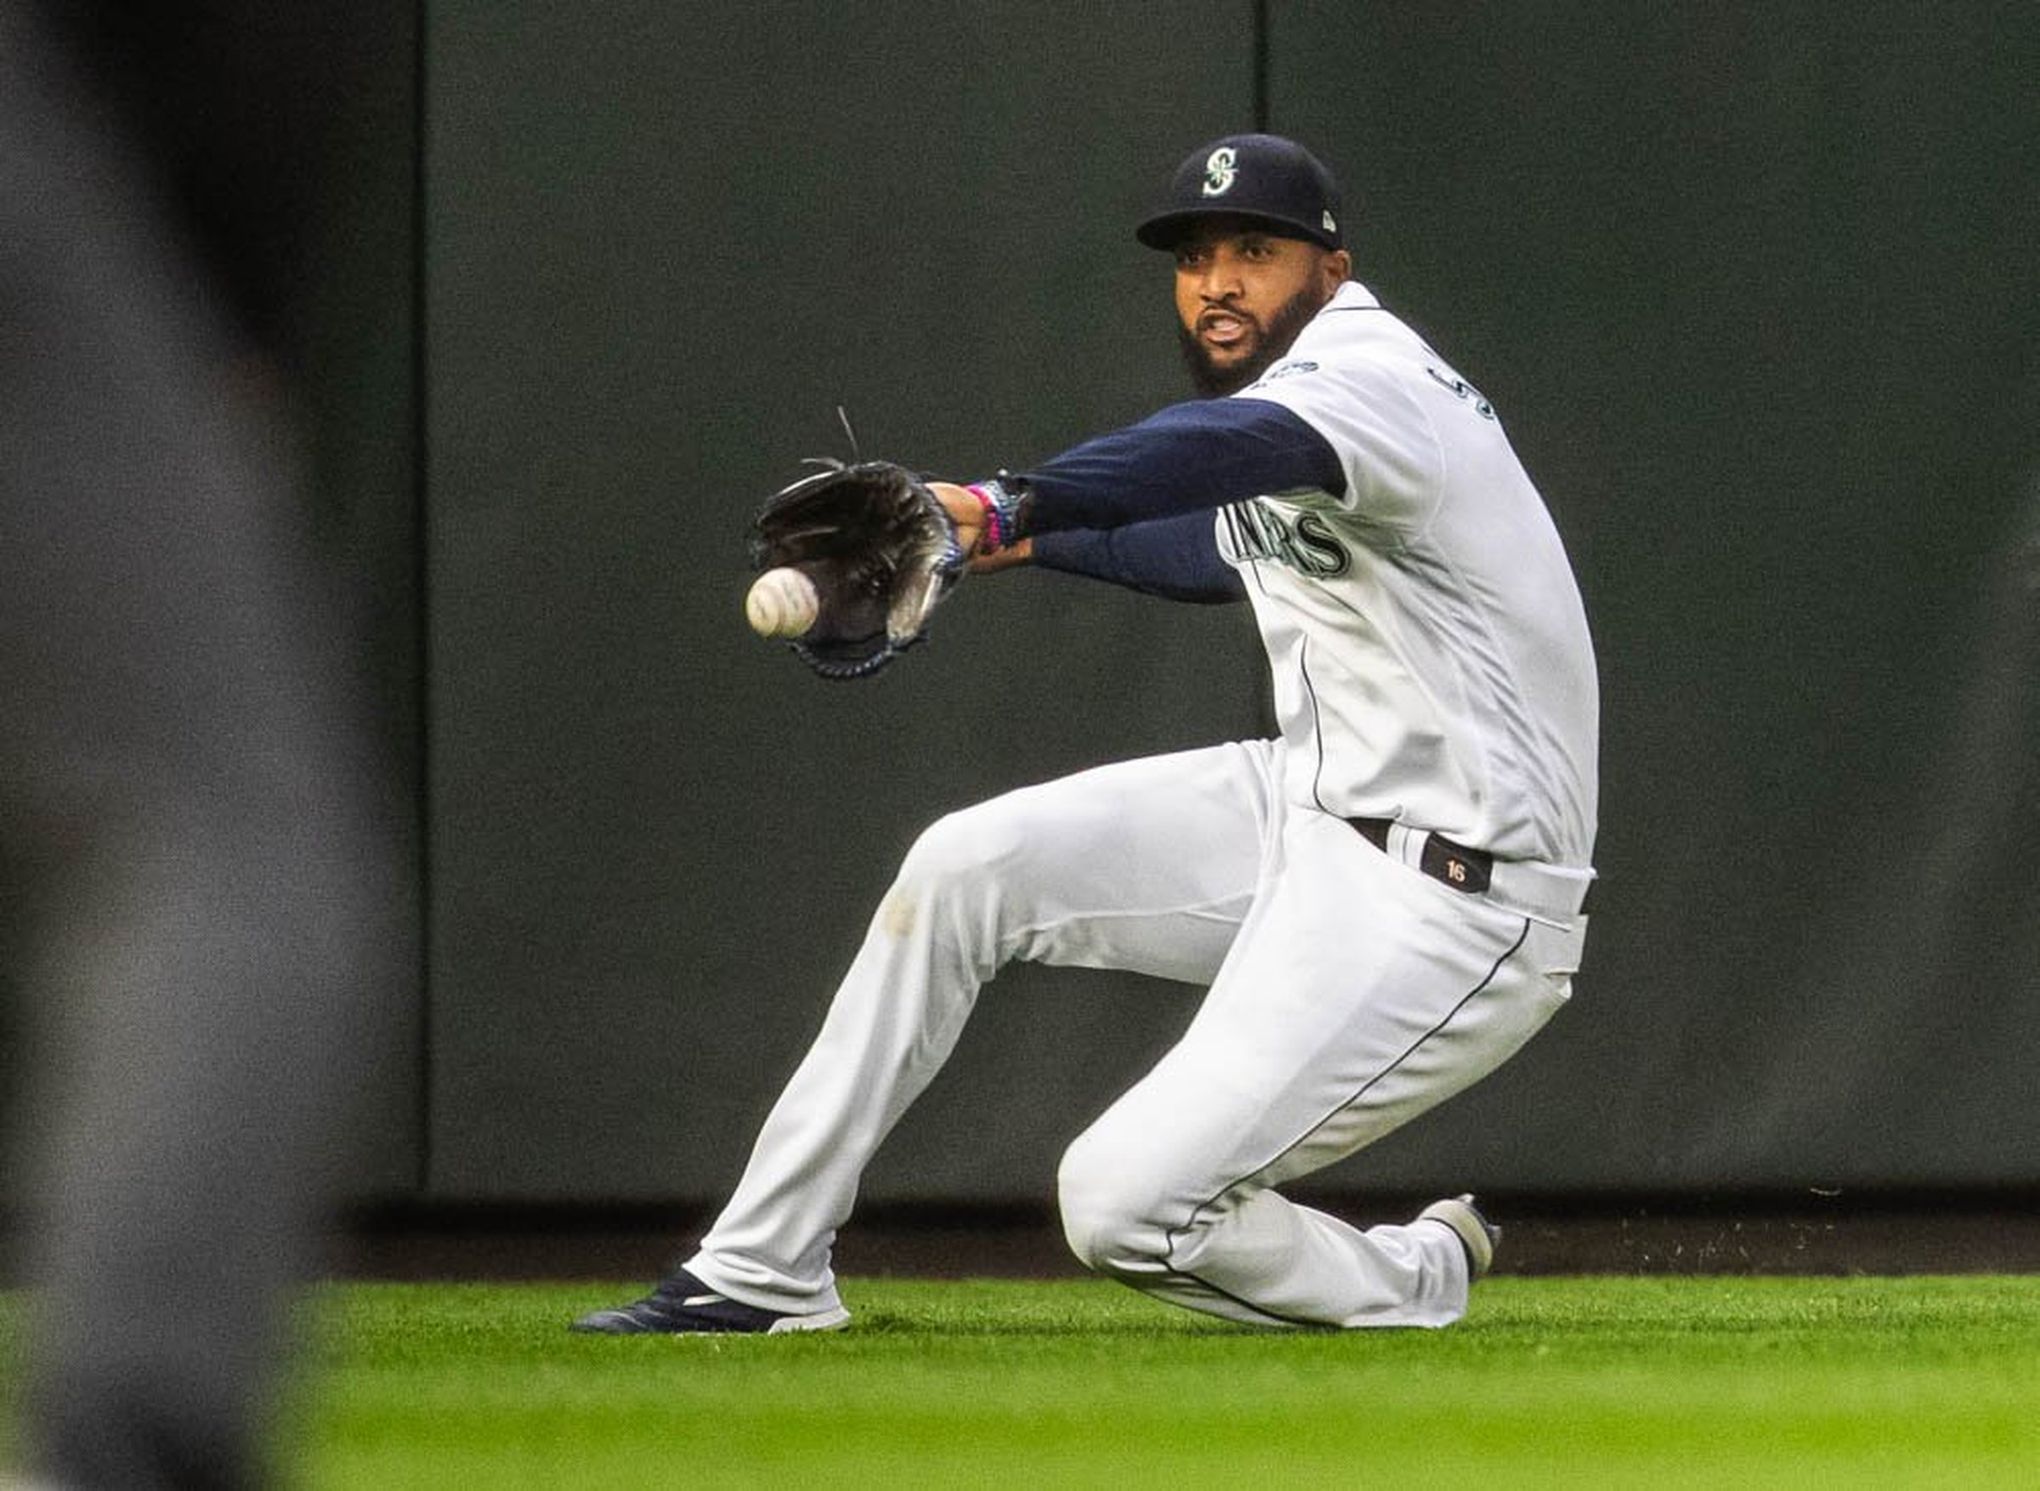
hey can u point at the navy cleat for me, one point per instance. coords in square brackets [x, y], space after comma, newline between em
[1476, 1234]
[682, 1305]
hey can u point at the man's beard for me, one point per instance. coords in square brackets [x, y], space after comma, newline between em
[1214, 382]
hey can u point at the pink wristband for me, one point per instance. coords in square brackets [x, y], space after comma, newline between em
[995, 535]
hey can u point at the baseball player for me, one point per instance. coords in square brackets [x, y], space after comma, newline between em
[1385, 900]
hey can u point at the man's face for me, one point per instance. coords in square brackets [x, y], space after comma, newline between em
[1242, 295]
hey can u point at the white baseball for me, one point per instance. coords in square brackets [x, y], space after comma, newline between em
[782, 603]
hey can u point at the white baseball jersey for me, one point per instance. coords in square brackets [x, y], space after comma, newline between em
[1429, 648]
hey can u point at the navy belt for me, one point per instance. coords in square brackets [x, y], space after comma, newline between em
[1448, 863]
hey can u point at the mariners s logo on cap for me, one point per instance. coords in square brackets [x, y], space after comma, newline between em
[1220, 172]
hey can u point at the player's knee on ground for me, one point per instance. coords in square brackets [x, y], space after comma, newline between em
[1110, 1217]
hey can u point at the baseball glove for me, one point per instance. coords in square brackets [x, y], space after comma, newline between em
[880, 550]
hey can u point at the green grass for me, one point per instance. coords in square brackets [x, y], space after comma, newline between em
[1657, 1383]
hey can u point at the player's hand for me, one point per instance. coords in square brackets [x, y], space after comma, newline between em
[1006, 558]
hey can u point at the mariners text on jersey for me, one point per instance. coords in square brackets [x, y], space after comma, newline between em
[1261, 529]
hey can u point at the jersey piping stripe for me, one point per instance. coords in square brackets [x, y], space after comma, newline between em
[1317, 723]
[1169, 1238]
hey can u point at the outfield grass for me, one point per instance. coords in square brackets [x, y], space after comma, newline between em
[1620, 1382]
[1551, 1382]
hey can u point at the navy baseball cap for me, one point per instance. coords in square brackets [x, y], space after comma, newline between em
[1255, 176]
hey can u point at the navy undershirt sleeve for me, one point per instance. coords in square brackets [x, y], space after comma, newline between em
[1176, 558]
[1185, 458]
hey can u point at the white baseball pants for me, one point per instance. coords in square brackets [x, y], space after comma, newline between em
[1348, 993]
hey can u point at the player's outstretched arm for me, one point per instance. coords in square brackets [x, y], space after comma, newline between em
[967, 511]
[1185, 458]
[1176, 557]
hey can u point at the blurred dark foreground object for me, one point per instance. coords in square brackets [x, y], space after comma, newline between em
[193, 828]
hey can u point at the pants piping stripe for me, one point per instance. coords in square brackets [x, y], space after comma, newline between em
[1169, 1239]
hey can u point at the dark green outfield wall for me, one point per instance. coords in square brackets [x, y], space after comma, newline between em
[1753, 287]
